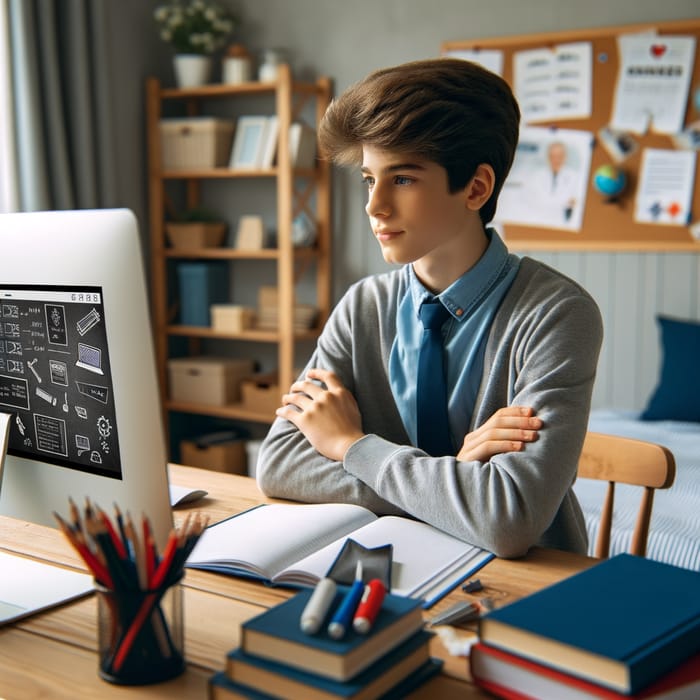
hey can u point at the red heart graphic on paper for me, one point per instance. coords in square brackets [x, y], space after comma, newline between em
[658, 50]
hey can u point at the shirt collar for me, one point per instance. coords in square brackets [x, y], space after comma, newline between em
[466, 292]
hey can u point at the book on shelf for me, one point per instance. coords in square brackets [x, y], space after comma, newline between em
[276, 635]
[302, 143]
[279, 679]
[249, 142]
[623, 623]
[223, 688]
[296, 545]
[513, 677]
[270, 137]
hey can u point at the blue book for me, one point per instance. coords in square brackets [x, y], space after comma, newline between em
[276, 635]
[281, 680]
[622, 623]
[223, 688]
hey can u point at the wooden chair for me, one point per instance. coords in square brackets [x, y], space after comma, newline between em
[627, 461]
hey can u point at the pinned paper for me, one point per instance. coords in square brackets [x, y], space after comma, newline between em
[665, 189]
[491, 59]
[549, 178]
[653, 83]
[554, 83]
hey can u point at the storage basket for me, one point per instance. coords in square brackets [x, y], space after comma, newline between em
[195, 142]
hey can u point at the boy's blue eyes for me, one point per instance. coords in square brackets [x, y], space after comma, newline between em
[398, 180]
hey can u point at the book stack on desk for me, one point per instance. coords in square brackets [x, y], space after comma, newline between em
[628, 627]
[276, 659]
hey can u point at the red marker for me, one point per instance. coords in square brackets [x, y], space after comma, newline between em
[369, 606]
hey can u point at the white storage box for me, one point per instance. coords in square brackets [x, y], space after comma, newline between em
[195, 142]
[208, 380]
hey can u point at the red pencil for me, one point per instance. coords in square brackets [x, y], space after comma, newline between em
[166, 560]
[149, 601]
[94, 565]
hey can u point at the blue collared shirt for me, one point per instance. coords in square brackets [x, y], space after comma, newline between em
[472, 301]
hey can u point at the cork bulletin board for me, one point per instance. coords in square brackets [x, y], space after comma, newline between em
[605, 224]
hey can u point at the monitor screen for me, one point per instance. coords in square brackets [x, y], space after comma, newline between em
[77, 369]
[55, 377]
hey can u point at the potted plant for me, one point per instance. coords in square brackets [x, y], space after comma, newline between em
[195, 29]
[196, 228]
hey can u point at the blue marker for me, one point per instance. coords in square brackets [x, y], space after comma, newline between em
[342, 618]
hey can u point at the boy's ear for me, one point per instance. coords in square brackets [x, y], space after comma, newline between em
[480, 187]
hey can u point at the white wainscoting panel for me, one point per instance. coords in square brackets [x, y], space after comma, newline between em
[631, 289]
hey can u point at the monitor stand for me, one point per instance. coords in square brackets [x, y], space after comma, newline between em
[27, 585]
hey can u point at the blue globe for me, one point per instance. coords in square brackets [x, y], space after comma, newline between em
[609, 180]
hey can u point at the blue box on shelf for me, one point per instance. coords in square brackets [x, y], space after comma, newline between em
[201, 285]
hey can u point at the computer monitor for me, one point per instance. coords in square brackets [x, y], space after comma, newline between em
[77, 369]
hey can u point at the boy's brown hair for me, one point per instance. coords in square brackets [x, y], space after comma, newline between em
[449, 111]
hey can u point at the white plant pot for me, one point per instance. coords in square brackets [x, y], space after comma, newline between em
[192, 70]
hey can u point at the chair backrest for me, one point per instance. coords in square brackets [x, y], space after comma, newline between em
[624, 460]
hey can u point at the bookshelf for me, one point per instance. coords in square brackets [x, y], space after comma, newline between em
[296, 191]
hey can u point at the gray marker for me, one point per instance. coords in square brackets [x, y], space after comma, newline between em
[318, 605]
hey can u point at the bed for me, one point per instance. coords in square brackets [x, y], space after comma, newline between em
[670, 418]
[674, 535]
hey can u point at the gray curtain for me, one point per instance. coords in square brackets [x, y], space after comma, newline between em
[63, 116]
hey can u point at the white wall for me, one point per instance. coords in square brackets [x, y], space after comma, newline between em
[345, 39]
[631, 289]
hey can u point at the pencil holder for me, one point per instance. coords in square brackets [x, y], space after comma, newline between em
[140, 634]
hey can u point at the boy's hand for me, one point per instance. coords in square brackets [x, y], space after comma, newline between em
[328, 416]
[506, 431]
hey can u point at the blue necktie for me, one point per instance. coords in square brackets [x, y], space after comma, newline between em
[433, 427]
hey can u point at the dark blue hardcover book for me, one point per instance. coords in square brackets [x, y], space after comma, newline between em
[622, 623]
[276, 635]
[223, 688]
[280, 679]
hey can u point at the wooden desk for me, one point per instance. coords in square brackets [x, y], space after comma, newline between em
[53, 655]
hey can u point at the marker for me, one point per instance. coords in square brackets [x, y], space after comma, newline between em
[342, 619]
[369, 606]
[317, 606]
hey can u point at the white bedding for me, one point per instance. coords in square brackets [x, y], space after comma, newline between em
[674, 535]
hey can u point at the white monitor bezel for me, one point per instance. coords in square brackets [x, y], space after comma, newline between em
[94, 248]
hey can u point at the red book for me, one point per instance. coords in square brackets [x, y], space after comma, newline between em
[510, 676]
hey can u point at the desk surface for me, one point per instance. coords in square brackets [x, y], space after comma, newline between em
[53, 654]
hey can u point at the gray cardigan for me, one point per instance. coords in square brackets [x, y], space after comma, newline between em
[542, 351]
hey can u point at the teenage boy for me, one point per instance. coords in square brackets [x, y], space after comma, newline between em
[435, 140]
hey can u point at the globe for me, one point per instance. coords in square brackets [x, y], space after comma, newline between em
[609, 180]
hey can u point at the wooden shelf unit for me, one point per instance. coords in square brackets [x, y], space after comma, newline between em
[294, 190]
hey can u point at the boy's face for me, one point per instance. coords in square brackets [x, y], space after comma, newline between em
[410, 208]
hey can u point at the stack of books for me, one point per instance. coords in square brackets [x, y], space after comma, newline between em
[276, 659]
[628, 627]
[268, 312]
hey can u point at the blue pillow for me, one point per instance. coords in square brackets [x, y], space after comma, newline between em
[677, 395]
